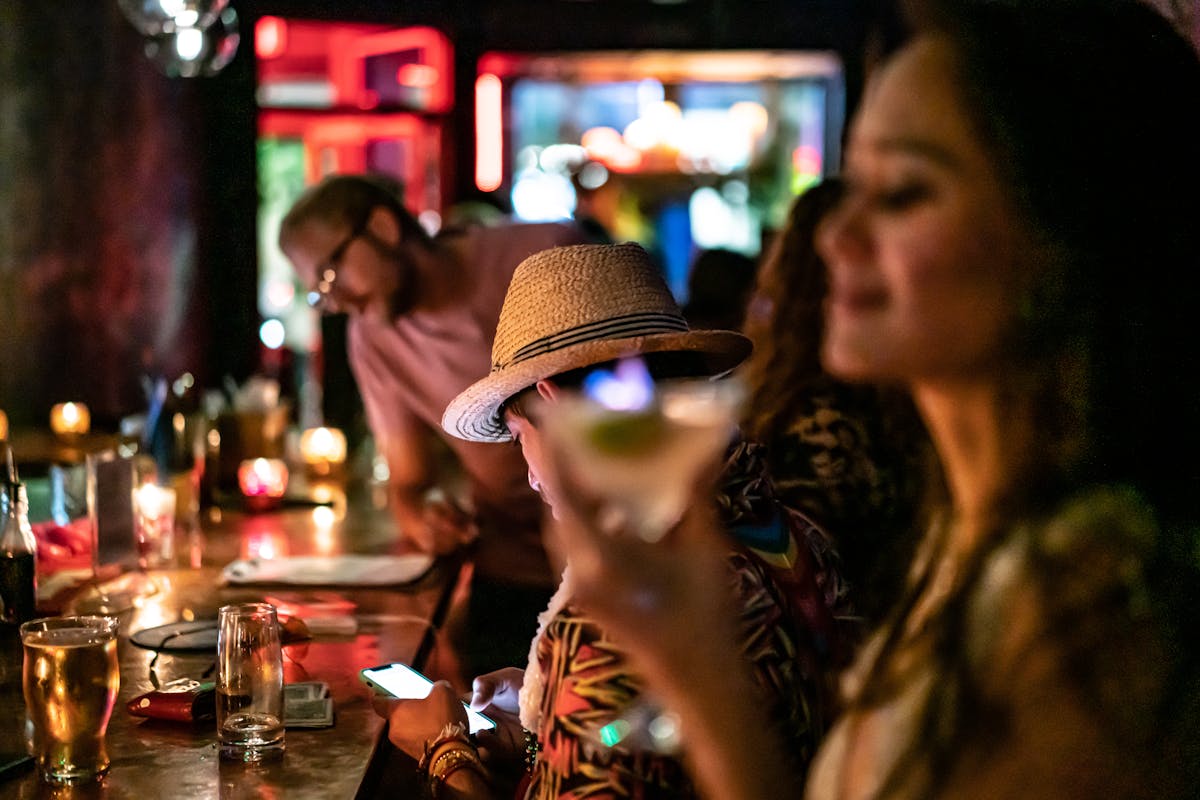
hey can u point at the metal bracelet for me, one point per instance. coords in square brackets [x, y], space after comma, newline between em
[449, 762]
[452, 732]
[532, 748]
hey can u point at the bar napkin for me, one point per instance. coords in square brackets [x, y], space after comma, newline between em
[343, 570]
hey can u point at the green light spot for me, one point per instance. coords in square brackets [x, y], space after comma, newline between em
[612, 733]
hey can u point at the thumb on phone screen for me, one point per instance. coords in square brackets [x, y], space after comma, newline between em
[501, 688]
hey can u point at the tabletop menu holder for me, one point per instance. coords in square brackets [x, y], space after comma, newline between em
[110, 506]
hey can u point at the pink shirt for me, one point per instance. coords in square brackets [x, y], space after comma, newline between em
[418, 363]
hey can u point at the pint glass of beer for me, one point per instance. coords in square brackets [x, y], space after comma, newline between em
[249, 682]
[71, 677]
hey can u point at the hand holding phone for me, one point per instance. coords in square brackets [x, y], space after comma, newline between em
[404, 682]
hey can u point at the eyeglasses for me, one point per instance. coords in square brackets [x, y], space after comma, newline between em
[321, 298]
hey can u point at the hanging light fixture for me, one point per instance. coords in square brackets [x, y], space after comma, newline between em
[156, 17]
[190, 51]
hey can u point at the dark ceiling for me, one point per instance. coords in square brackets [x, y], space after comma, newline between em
[575, 24]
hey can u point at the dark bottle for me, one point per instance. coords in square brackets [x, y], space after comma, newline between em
[18, 551]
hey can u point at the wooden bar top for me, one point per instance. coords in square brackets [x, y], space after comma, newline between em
[156, 759]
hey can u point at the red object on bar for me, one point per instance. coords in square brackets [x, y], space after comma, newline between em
[263, 482]
[179, 701]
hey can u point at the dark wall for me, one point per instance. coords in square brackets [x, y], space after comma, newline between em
[99, 185]
[128, 200]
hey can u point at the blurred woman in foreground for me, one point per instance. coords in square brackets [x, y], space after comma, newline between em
[1033, 293]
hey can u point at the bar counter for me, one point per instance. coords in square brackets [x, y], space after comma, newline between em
[157, 759]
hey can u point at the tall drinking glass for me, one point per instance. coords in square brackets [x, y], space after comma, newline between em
[249, 683]
[638, 452]
[70, 679]
[95, 599]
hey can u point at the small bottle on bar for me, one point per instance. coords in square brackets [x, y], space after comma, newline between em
[18, 548]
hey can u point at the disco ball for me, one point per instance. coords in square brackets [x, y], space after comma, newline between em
[158, 17]
[191, 52]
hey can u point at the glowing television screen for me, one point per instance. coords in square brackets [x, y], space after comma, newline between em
[681, 151]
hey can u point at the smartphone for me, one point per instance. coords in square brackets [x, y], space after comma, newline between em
[401, 680]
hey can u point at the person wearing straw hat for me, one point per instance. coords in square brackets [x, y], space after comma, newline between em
[569, 310]
[421, 312]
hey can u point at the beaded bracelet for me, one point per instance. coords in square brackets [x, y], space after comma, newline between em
[532, 748]
[450, 762]
[455, 732]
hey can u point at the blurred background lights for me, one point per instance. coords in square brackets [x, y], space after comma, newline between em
[736, 193]
[271, 333]
[752, 116]
[592, 176]
[324, 517]
[189, 43]
[562, 157]
[601, 142]
[183, 383]
[529, 158]
[156, 17]
[720, 220]
[270, 37]
[627, 387]
[649, 92]
[641, 134]
[280, 294]
[420, 76]
[806, 167]
[430, 220]
[543, 197]
[186, 38]
[489, 132]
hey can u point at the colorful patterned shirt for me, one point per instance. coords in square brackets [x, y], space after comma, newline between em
[587, 682]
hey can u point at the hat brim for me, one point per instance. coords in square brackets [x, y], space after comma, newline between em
[475, 414]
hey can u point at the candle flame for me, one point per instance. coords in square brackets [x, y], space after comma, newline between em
[323, 446]
[263, 477]
[70, 418]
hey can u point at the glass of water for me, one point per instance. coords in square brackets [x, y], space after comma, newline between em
[249, 683]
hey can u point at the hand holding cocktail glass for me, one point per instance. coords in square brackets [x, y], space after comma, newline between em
[627, 459]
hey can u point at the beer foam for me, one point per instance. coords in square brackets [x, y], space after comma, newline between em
[68, 637]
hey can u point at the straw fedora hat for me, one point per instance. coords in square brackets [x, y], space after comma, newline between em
[571, 307]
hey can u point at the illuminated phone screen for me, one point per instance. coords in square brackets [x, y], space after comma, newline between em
[402, 681]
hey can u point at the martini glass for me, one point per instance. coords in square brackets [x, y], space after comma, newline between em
[637, 452]
[641, 462]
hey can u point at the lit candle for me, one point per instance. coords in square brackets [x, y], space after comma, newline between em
[70, 419]
[263, 481]
[154, 524]
[3, 425]
[323, 451]
[150, 500]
